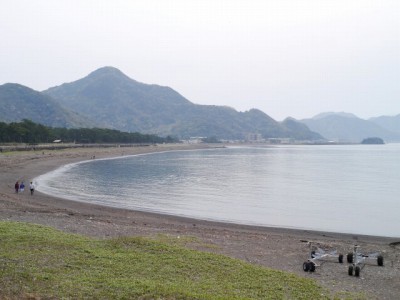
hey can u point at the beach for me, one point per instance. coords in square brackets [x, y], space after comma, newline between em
[277, 248]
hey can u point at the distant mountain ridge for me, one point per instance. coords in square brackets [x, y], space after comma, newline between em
[109, 96]
[18, 102]
[345, 127]
[327, 114]
[391, 123]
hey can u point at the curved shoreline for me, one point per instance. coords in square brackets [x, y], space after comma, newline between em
[64, 192]
[274, 247]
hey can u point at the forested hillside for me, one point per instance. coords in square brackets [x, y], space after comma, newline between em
[18, 102]
[32, 133]
[109, 96]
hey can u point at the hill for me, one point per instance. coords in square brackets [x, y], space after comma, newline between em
[18, 102]
[372, 141]
[327, 114]
[348, 128]
[109, 96]
[391, 123]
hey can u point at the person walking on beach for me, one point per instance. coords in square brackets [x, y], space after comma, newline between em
[22, 187]
[16, 186]
[32, 188]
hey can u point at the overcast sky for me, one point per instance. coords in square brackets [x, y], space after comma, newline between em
[288, 58]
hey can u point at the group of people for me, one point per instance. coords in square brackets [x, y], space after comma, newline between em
[20, 188]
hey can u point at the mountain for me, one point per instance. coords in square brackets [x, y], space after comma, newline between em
[109, 96]
[18, 102]
[391, 123]
[341, 114]
[346, 127]
[301, 130]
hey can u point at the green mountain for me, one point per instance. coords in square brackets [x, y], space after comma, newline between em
[110, 97]
[300, 130]
[18, 102]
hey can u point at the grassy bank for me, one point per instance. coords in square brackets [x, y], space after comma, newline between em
[40, 262]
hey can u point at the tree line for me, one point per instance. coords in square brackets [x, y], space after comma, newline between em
[29, 132]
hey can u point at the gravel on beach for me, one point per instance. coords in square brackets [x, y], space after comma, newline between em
[277, 248]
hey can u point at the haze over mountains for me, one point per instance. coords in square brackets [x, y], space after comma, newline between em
[107, 98]
[18, 102]
[346, 127]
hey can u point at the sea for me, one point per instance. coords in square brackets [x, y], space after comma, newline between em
[335, 188]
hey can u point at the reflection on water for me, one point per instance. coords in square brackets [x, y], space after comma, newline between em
[349, 189]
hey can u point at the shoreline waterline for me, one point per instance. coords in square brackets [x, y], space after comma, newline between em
[97, 201]
[276, 248]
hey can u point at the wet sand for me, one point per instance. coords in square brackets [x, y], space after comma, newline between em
[278, 248]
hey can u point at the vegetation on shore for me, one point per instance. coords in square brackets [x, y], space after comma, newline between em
[30, 132]
[40, 262]
[373, 140]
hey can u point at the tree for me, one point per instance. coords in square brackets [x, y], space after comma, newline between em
[30, 132]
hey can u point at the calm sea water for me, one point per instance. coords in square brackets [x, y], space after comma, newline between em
[350, 189]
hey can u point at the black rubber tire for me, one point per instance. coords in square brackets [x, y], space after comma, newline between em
[341, 258]
[312, 267]
[306, 266]
[357, 271]
[380, 260]
[351, 270]
[350, 258]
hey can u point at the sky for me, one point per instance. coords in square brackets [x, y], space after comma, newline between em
[294, 58]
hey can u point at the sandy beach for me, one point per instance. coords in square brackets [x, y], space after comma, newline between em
[277, 248]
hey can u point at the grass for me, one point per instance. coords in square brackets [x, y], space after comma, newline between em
[43, 263]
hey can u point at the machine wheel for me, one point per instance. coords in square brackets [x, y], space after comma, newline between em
[312, 267]
[312, 254]
[380, 260]
[350, 257]
[306, 266]
[357, 271]
[341, 258]
[351, 270]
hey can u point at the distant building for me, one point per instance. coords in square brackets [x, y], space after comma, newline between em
[254, 138]
[287, 141]
[274, 141]
[195, 140]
